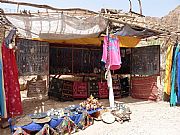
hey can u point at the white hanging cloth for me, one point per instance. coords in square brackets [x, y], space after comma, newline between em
[110, 86]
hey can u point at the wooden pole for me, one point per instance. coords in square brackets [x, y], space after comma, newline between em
[130, 6]
[140, 7]
[72, 64]
[18, 8]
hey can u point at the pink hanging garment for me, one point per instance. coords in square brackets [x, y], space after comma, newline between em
[113, 59]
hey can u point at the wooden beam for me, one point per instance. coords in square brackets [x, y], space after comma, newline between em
[117, 15]
[45, 6]
[18, 14]
[121, 22]
[49, 13]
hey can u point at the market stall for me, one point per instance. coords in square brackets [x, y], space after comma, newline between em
[57, 44]
[65, 49]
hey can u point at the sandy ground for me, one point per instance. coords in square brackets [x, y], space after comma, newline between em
[147, 118]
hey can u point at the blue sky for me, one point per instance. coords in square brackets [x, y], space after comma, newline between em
[157, 8]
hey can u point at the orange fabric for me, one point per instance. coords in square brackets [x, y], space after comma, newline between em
[128, 41]
[79, 41]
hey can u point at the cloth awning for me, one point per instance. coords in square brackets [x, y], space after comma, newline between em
[65, 29]
[125, 41]
[58, 26]
[129, 31]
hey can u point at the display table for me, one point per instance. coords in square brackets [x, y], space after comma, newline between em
[52, 123]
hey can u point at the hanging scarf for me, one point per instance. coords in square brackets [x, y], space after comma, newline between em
[173, 96]
[167, 81]
[178, 77]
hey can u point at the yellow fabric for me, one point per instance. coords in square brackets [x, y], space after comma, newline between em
[167, 80]
[124, 41]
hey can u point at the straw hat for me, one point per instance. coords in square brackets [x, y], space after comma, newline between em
[22, 121]
[108, 118]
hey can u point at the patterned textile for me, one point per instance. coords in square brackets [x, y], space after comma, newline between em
[85, 121]
[20, 131]
[47, 130]
[11, 83]
[67, 126]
